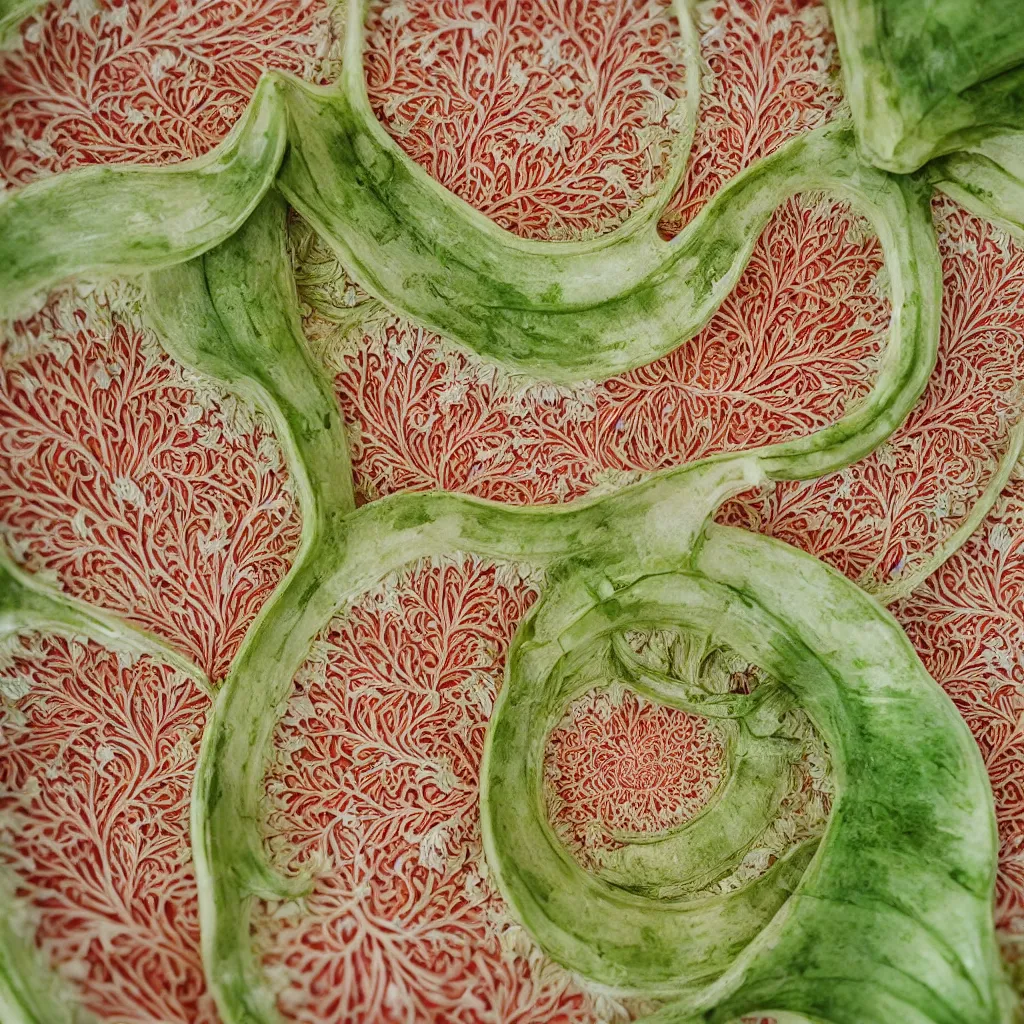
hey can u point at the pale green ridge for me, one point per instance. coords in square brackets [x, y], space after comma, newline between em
[648, 525]
[30, 993]
[712, 844]
[231, 865]
[987, 179]
[233, 315]
[559, 310]
[12, 14]
[600, 308]
[643, 525]
[693, 697]
[570, 310]
[402, 231]
[221, 294]
[892, 920]
[29, 605]
[126, 219]
[903, 587]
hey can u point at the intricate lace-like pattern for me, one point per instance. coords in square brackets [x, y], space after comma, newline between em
[618, 762]
[151, 495]
[95, 778]
[152, 82]
[143, 490]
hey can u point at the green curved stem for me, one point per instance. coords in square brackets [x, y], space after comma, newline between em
[30, 993]
[561, 310]
[564, 310]
[906, 869]
[211, 233]
[232, 315]
[756, 778]
[892, 918]
[105, 221]
[709, 846]
[908, 583]
[689, 696]
[987, 179]
[28, 605]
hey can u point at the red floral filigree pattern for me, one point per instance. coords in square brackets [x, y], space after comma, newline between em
[770, 75]
[376, 787]
[146, 493]
[152, 496]
[552, 117]
[142, 80]
[96, 769]
[619, 763]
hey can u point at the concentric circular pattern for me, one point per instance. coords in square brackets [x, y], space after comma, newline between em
[618, 763]
[151, 496]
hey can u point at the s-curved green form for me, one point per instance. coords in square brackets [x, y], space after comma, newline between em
[889, 916]
[562, 311]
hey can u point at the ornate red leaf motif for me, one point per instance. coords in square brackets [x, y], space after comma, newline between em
[151, 496]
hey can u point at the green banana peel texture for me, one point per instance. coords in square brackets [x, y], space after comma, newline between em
[888, 917]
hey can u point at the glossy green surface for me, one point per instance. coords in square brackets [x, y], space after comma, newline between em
[889, 918]
[988, 179]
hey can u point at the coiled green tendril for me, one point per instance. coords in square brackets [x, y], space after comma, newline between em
[889, 917]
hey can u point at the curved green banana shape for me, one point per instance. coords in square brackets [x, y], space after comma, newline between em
[106, 221]
[987, 179]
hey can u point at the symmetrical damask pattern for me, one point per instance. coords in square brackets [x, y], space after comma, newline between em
[149, 494]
